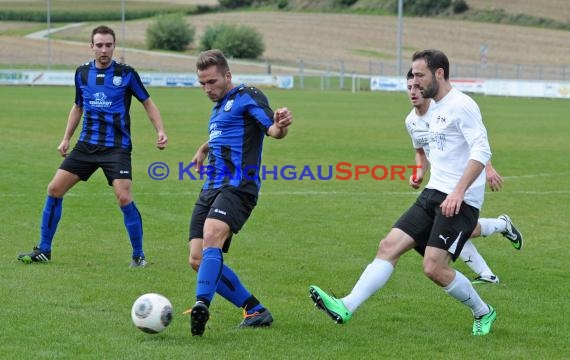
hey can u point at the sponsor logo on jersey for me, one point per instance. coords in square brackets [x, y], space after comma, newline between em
[229, 105]
[100, 100]
[214, 132]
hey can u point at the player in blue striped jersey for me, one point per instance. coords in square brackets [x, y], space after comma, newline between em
[103, 92]
[240, 120]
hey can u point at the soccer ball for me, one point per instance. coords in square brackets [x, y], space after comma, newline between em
[151, 313]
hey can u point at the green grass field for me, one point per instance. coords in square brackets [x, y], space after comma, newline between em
[302, 232]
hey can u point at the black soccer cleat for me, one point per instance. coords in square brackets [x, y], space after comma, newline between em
[198, 318]
[138, 262]
[257, 319]
[35, 256]
[512, 233]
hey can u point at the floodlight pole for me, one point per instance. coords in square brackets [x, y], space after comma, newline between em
[123, 27]
[49, 33]
[399, 56]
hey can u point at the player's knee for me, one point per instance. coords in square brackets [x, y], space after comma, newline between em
[213, 239]
[124, 199]
[55, 191]
[387, 249]
[432, 270]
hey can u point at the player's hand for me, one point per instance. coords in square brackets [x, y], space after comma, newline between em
[199, 158]
[452, 204]
[161, 141]
[494, 180]
[416, 179]
[63, 147]
[282, 117]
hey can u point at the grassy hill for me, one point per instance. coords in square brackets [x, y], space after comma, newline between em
[358, 39]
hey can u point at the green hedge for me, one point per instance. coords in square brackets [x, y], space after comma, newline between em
[236, 41]
[101, 15]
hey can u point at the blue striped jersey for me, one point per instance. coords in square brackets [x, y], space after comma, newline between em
[237, 127]
[105, 96]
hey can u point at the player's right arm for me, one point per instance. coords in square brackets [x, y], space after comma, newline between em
[72, 121]
[422, 164]
[200, 156]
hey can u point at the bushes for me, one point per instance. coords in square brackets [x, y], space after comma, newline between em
[344, 3]
[432, 7]
[234, 4]
[235, 41]
[169, 32]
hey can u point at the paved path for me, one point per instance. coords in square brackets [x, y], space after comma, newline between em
[44, 33]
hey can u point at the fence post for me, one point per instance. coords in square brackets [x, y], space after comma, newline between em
[341, 79]
[301, 72]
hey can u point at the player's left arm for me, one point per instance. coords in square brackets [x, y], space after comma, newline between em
[282, 119]
[494, 179]
[475, 133]
[422, 167]
[156, 120]
[452, 203]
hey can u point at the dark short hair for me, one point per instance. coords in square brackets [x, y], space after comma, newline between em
[102, 29]
[409, 75]
[434, 59]
[213, 57]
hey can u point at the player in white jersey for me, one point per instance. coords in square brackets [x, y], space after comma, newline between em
[445, 214]
[417, 127]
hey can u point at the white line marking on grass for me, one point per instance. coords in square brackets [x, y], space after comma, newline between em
[193, 195]
[536, 175]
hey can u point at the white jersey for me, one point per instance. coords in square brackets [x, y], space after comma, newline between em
[418, 129]
[452, 133]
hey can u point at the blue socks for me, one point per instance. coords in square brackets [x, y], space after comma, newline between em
[214, 276]
[231, 288]
[50, 219]
[52, 214]
[133, 223]
[209, 275]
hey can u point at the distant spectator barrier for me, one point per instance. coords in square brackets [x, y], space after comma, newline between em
[17, 77]
[525, 88]
[499, 87]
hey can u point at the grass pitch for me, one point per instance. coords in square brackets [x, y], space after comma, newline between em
[302, 232]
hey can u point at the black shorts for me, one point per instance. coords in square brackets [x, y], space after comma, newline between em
[425, 223]
[86, 158]
[228, 204]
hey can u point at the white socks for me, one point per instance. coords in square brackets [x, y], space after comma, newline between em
[462, 289]
[378, 272]
[373, 278]
[474, 260]
[491, 226]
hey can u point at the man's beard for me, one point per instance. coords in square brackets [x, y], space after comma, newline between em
[431, 91]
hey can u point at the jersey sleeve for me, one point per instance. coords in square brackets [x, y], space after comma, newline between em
[78, 92]
[409, 129]
[137, 87]
[258, 108]
[471, 125]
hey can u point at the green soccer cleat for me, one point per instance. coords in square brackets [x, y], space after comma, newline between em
[482, 325]
[486, 279]
[512, 233]
[334, 307]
